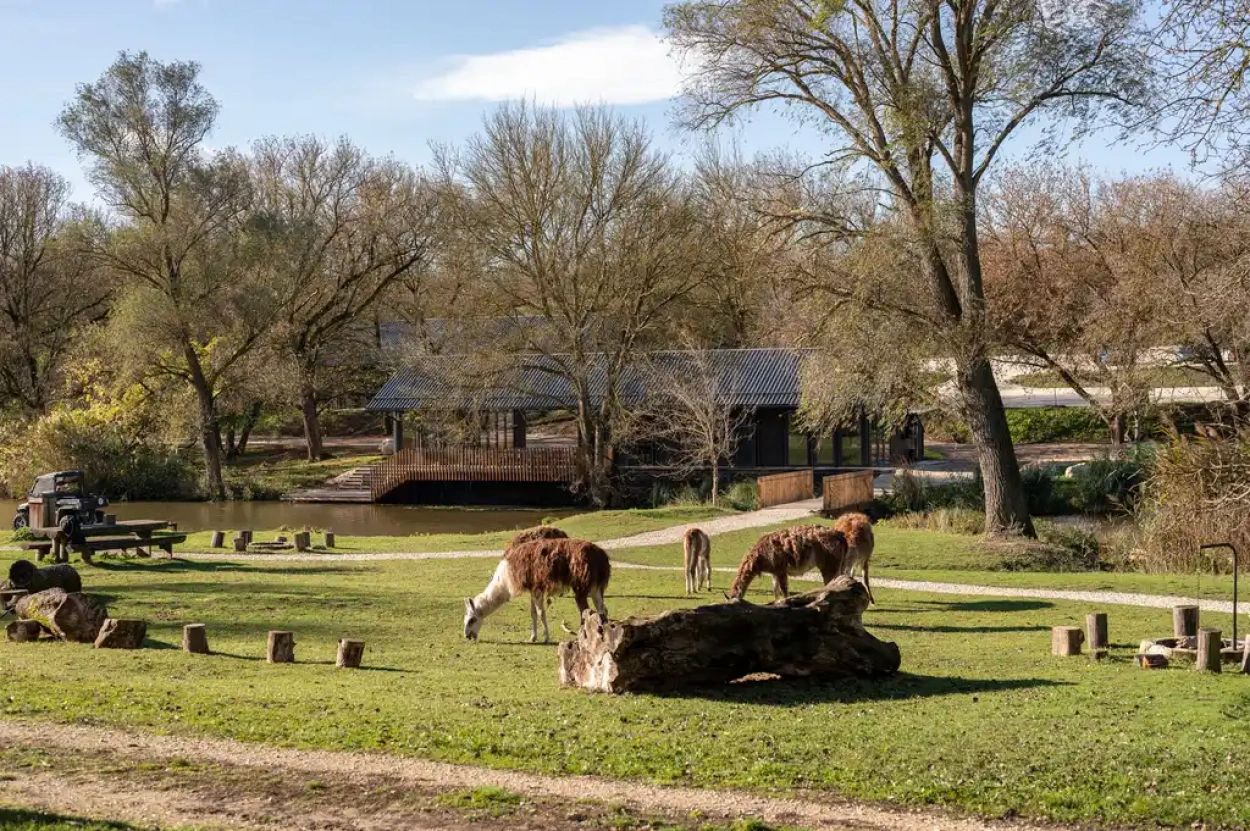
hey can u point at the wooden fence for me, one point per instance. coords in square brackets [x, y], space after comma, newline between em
[783, 488]
[473, 464]
[848, 490]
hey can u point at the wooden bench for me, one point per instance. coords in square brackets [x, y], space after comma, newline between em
[42, 548]
[88, 547]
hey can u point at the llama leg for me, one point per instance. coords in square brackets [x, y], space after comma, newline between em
[535, 610]
[868, 585]
[542, 612]
[600, 606]
[782, 584]
[707, 573]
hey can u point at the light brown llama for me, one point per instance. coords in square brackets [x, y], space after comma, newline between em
[791, 552]
[857, 528]
[546, 568]
[697, 555]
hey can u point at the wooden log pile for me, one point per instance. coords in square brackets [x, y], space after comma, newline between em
[817, 634]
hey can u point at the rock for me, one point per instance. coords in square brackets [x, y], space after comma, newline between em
[1075, 470]
[122, 634]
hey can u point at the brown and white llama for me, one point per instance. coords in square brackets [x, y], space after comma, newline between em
[697, 554]
[546, 568]
[857, 528]
[538, 532]
[791, 552]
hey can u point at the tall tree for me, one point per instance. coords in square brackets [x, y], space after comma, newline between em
[925, 94]
[342, 230]
[48, 287]
[193, 307]
[587, 238]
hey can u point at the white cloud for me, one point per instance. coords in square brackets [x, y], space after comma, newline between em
[622, 65]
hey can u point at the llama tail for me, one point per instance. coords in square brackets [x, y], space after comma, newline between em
[566, 628]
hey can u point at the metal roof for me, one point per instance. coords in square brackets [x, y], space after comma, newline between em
[749, 377]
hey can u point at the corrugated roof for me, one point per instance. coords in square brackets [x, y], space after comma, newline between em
[750, 377]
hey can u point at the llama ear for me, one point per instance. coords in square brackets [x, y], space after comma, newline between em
[468, 604]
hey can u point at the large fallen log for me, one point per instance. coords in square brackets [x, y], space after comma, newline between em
[818, 634]
[69, 615]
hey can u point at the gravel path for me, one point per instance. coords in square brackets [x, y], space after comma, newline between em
[302, 763]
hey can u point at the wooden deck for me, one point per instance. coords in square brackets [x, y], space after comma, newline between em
[473, 464]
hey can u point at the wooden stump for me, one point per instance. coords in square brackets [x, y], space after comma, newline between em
[20, 631]
[817, 634]
[219, 540]
[247, 535]
[1210, 642]
[303, 540]
[329, 539]
[122, 634]
[195, 638]
[71, 616]
[1184, 621]
[281, 647]
[24, 574]
[110, 519]
[240, 543]
[1096, 634]
[350, 653]
[1066, 640]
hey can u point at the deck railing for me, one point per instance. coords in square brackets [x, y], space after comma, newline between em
[783, 488]
[473, 464]
[848, 490]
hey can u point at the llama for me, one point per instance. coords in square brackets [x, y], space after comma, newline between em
[538, 532]
[697, 551]
[545, 568]
[791, 551]
[857, 528]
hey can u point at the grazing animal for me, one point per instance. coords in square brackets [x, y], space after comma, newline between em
[857, 528]
[538, 532]
[545, 568]
[791, 551]
[697, 550]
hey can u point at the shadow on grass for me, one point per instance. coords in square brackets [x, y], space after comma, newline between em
[986, 606]
[21, 820]
[951, 630]
[176, 566]
[794, 692]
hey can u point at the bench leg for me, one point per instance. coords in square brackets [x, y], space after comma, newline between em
[87, 555]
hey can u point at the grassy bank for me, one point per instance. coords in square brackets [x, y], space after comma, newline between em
[272, 472]
[983, 718]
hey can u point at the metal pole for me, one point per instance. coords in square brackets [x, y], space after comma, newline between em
[1236, 568]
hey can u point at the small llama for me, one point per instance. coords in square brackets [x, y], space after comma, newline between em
[697, 550]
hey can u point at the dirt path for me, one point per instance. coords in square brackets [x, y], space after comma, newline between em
[239, 785]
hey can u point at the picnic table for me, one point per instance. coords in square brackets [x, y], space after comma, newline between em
[138, 534]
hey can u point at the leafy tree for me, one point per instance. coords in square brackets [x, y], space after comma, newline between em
[193, 303]
[920, 98]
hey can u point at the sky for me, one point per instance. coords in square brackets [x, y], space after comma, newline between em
[394, 75]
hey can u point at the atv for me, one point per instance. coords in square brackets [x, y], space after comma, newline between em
[75, 508]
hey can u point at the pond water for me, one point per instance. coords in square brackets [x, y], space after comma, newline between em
[345, 519]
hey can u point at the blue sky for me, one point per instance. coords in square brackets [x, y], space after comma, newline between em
[394, 75]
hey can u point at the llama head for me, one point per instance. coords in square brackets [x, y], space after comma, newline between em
[472, 620]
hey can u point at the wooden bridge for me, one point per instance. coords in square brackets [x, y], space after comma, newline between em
[473, 464]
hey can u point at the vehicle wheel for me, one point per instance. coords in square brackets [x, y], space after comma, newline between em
[20, 521]
[71, 529]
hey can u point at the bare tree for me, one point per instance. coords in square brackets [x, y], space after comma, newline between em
[48, 288]
[342, 229]
[925, 95]
[193, 306]
[694, 411]
[587, 237]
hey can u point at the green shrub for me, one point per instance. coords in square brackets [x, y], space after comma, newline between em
[742, 495]
[912, 493]
[1057, 548]
[1035, 425]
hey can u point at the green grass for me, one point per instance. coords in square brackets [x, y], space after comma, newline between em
[596, 525]
[497, 802]
[1162, 376]
[18, 819]
[269, 473]
[982, 719]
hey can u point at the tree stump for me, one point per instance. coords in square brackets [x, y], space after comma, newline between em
[1184, 621]
[303, 540]
[122, 634]
[329, 539]
[1066, 640]
[240, 543]
[281, 647]
[817, 634]
[20, 631]
[1096, 634]
[24, 574]
[71, 616]
[1210, 643]
[219, 540]
[247, 535]
[195, 638]
[110, 519]
[350, 653]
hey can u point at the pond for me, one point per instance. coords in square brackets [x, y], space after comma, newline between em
[345, 519]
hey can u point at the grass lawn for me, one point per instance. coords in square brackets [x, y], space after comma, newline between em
[597, 525]
[982, 719]
[18, 819]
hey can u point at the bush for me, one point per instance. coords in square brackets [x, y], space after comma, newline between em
[911, 493]
[1057, 548]
[1105, 485]
[942, 520]
[1035, 425]
[742, 495]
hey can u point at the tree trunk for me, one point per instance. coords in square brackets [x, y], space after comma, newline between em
[715, 483]
[68, 615]
[312, 422]
[1006, 509]
[210, 443]
[817, 634]
[249, 424]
